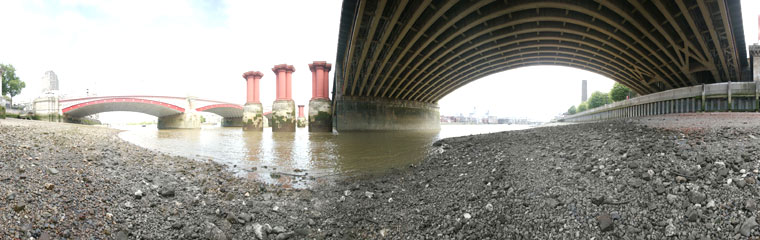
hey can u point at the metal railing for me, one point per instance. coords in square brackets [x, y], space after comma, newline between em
[716, 97]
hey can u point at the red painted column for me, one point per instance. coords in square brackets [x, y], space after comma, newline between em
[284, 76]
[300, 111]
[326, 81]
[289, 82]
[320, 83]
[252, 86]
[313, 82]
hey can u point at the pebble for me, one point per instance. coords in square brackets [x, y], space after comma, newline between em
[750, 205]
[369, 194]
[489, 207]
[49, 186]
[746, 227]
[672, 198]
[696, 197]
[467, 216]
[670, 229]
[138, 194]
[605, 222]
[52, 170]
[680, 179]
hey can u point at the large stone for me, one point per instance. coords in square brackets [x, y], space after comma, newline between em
[253, 117]
[320, 115]
[605, 222]
[284, 116]
[746, 227]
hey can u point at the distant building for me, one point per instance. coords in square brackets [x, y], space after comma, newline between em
[584, 91]
[49, 82]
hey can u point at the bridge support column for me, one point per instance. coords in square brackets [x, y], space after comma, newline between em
[320, 106]
[284, 108]
[232, 122]
[363, 113]
[301, 120]
[189, 119]
[253, 111]
[754, 52]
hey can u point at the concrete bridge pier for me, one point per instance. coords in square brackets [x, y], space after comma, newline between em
[186, 120]
[253, 111]
[364, 113]
[284, 108]
[320, 106]
[232, 122]
[301, 121]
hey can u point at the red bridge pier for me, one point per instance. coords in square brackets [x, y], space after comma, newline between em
[253, 118]
[320, 106]
[284, 108]
[300, 121]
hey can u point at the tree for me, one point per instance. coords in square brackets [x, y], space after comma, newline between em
[583, 106]
[572, 110]
[598, 99]
[11, 84]
[620, 92]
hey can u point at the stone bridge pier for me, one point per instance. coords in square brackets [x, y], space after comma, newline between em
[284, 108]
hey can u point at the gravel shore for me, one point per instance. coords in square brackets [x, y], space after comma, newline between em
[678, 176]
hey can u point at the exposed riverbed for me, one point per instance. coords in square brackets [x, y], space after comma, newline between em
[677, 177]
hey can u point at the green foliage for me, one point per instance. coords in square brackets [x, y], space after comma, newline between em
[572, 110]
[583, 106]
[598, 99]
[203, 119]
[620, 92]
[12, 85]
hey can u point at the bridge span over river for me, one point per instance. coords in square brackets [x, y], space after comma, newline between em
[172, 112]
[397, 58]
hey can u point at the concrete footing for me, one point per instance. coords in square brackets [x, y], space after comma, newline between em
[320, 115]
[283, 116]
[180, 121]
[301, 122]
[253, 118]
[232, 122]
[362, 113]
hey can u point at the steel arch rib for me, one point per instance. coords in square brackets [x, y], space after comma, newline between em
[516, 66]
[419, 34]
[504, 67]
[396, 41]
[468, 58]
[596, 68]
[628, 81]
[578, 23]
[202, 109]
[540, 5]
[122, 100]
[459, 64]
[447, 65]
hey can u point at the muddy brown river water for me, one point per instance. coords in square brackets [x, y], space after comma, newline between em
[300, 159]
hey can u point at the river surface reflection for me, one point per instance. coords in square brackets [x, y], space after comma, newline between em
[300, 159]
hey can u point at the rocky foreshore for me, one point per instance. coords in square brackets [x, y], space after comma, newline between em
[679, 177]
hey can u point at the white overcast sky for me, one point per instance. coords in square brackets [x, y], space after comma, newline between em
[201, 48]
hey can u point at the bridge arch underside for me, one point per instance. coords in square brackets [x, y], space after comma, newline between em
[155, 108]
[421, 51]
